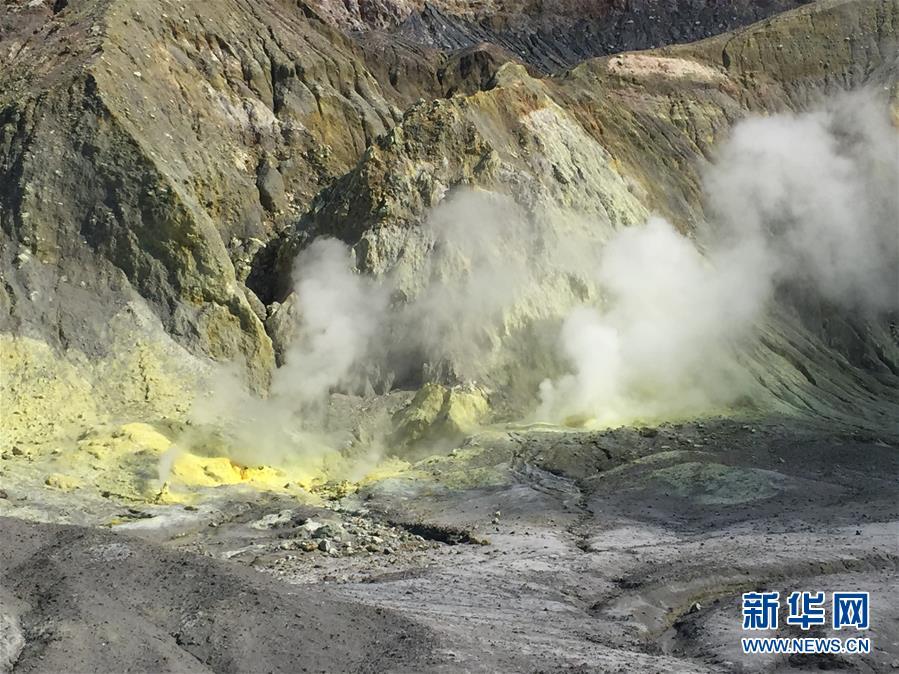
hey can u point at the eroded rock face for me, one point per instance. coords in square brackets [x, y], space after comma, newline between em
[176, 160]
[549, 35]
[144, 150]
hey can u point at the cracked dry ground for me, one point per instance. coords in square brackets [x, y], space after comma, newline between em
[622, 550]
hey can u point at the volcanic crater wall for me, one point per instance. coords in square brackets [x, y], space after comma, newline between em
[161, 170]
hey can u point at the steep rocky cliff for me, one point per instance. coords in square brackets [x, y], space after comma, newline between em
[551, 35]
[150, 152]
[162, 167]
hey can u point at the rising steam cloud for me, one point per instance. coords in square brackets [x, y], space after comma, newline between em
[661, 345]
[342, 314]
[819, 193]
[805, 200]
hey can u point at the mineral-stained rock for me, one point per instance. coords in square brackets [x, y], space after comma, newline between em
[281, 325]
[62, 482]
[438, 415]
[135, 141]
[271, 187]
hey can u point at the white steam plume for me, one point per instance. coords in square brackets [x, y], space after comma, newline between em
[341, 314]
[821, 192]
[807, 200]
[477, 267]
[660, 345]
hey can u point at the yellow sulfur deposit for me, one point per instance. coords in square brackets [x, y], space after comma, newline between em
[439, 414]
[191, 470]
[144, 435]
[389, 467]
[199, 471]
[579, 421]
[70, 427]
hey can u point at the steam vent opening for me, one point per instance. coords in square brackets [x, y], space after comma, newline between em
[449, 336]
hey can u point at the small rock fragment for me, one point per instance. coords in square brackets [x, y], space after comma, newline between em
[312, 525]
[62, 482]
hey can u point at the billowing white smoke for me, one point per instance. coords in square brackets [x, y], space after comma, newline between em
[809, 200]
[821, 192]
[660, 345]
[341, 314]
[348, 337]
[477, 267]
[340, 317]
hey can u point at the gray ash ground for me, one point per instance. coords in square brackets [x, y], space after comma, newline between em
[621, 550]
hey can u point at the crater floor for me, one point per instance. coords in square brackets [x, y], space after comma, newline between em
[522, 550]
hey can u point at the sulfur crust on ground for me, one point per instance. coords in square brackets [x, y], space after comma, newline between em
[622, 550]
[76, 428]
[48, 396]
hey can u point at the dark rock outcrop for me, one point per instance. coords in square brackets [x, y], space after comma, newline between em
[144, 149]
[551, 35]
